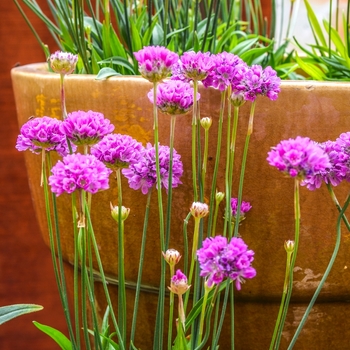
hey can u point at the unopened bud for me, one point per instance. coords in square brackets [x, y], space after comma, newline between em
[219, 196]
[237, 99]
[179, 283]
[199, 210]
[172, 256]
[63, 62]
[289, 246]
[206, 123]
[115, 212]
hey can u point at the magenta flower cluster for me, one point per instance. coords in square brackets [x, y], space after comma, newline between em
[219, 71]
[77, 171]
[86, 128]
[299, 157]
[258, 81]
[174, 97]
[142, 175]
[43, 133]
[245, 207]
[338, 152]
[219, 259]
[117, 151]
[155, 62]
[193, 66]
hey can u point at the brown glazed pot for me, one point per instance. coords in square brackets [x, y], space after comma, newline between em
[317, 110]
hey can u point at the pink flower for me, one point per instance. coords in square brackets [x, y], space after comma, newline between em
[63, 62]
[77, 171]
[42, 133]
[117, 150]
[193, 66]
[142, 175]
[155, 62]
[299, 157]
[219, 260]
[174, 97]
[86, 128]
[258, 81]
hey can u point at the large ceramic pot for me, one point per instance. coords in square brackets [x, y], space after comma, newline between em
[314, 109]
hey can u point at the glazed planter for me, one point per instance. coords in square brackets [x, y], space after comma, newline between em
[317, 110]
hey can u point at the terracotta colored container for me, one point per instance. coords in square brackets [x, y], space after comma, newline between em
[315, 109]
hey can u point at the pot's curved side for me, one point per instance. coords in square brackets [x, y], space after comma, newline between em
[312, 109]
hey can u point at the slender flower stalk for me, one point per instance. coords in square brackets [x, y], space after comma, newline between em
[120, 216]
[206, 124]
[244, 161]
[217, 157]
[139, 274]
[207, 289]
[324, 277]
[63, 63]
[289, 246]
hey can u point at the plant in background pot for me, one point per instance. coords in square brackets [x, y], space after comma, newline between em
[112, 261]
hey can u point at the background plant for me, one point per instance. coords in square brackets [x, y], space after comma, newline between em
[105, 33]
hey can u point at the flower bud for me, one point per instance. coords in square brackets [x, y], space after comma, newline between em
[63, 62]
[237, 99]
[206, 123]
[115, 212]
[172, 256]
[289, 246]
[199, 210]
[219, 196]
[179, 283]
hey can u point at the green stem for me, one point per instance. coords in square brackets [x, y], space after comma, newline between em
[170, 180]
[202, 317]
[193, 256]
[217, 159]
[121, 260]
[57, 267]
[171, 311]
[63, 98]
[230, 174]
[335, 200]
[139, 275]
[158, 335]
[244, 161]
[285, 288]
[194, 142]
[104, 283]
[294, 256]
[323, 280]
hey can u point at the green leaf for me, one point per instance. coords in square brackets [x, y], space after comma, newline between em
[56, 335]
[244, 46]
[105, 73]
[9, 312]
[316, 28]
[311, 69]
[252, 54]
[119, 61]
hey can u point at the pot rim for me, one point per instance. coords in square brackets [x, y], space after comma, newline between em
[41, 68]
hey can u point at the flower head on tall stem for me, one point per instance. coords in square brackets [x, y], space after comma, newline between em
[258, 81]
[117, 151]
[86, 128]
[63, 62]
[226, 67]
[219, 259]
[193, 66]
[298, 158]
[331, 175]
[172, 256]
[245, 207]
[42, 133]
[174, 97]
[77, 171]
[142, 174]
[155, 62]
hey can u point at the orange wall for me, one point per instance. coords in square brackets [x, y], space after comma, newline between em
[26, 274]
